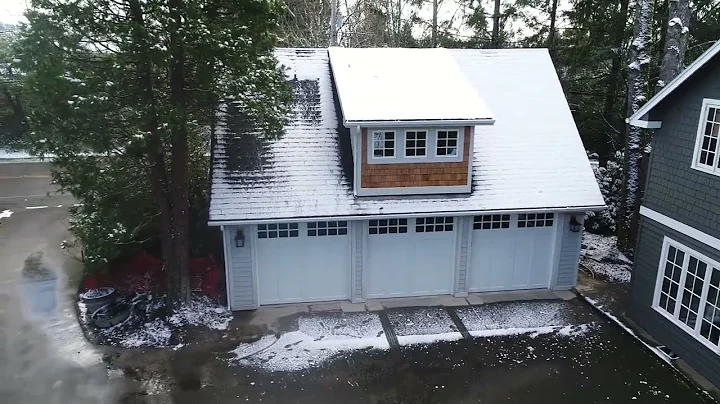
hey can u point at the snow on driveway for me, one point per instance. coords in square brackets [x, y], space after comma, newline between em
[423, 325]
[318, 339]
[5, 213]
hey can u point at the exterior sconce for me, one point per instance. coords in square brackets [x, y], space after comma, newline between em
[239, 239]
[575, 226]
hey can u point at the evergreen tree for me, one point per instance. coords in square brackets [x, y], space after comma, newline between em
[120, 89]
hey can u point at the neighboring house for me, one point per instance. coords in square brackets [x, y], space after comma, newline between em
[404, 172]
[675, 293]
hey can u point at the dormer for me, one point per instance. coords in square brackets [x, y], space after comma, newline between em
[412, 116]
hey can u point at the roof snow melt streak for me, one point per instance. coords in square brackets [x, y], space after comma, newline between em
[386, 84]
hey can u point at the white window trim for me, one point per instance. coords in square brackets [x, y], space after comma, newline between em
[707, 103]
[695, 333]
[371, 140]
[427, 144]
[460, 144]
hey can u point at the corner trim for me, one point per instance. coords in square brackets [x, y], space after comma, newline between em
[681, 227]
[227, 260]
[645, 124]
[453, 189]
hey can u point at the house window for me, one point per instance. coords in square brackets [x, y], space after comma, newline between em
[330, 228]
[535, 219]
[687, 292]
[278, 230]
[388, 226]
[430, 224]
[707, 147]
[415, 143]
[383, 144]
[447, 143]
[486, 222]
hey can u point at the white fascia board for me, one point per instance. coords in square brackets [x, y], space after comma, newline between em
[680, 227]
[409, 191]
[420, 123]
[576, 209]
[645, 124]
[676, 82]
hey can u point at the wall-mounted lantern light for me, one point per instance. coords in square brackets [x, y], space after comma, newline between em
[239, 239]
[575, 226]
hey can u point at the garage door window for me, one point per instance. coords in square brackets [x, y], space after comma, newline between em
[278, 230]
[487, 222]
[536, 220]
[386, 226]
[332, 228]
[429, 224]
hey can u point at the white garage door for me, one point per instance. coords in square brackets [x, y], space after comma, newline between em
[410, 257]
[511, 252]
[303, 262]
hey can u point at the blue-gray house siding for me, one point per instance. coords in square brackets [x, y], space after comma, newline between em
[569, 256]
[684, 194]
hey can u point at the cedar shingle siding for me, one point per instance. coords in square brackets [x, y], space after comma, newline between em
[684, 194]
[415, 174]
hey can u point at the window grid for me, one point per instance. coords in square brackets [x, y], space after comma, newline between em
[416, 143]
[447, 143]
[535, 219]
[388, 226]
[331, 228]
[671, 279]
[692, 292]
[278, 230]
[487, 222]
[383, 144]
[708, 155]
[433, 224]
[710, 325]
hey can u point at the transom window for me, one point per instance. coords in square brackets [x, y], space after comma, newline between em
[383, 144]
[447, 143]
[430, 224]
[536, 219]
[486, 222]
[331, 228]
[278, 230]
[707, 147]
[415, 143]
[388, 226]
[687, 292]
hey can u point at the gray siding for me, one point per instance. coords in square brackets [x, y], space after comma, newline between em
[356, 288]
[465, 229]
[569, 253]
[673, 188]
[241, 268]
[647, 257]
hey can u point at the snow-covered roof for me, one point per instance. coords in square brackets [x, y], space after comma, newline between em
[396, 84]
[531, 158]
[639, 118]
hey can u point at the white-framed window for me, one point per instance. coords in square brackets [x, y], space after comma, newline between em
[487, 222]
[416, 143]
[383, 144]
[278, 230]
[535, 220]
[687, 292]
[433, 224]
[387, 226]
[707, 145]
[446, 143]
[329, 228]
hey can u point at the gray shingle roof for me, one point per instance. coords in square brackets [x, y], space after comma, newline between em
[531, 158]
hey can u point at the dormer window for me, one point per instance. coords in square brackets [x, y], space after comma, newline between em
[383, 144]
[707, 145]
[416, 143]
[447, 143]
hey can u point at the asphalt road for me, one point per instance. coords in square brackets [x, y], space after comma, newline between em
[28, 185]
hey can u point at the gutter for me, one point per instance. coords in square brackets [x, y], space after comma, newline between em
[593, 208]
[420, 123]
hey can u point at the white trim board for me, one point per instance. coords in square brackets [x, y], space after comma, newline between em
[681, 227]
[702, 122]
[636, 118]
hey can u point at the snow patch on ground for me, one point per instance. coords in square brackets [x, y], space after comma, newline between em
[599, 255]
[154, 333]
[318, 339]
[565, 331]
[405, 340]
[421, 321]
[514, 315]
[202, 312]
[5, 213]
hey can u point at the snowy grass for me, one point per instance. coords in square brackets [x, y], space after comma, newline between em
[600, 256]
[5, 213]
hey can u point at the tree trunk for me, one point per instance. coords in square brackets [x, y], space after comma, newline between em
[613, 82]
[178, 279]
[639, 60]
[333, 22]
[676, 39]
[496, 26]
[434, 23]
[553, 18]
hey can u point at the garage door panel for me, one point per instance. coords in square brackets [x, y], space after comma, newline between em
[433, 256]
[382, 280]
[327, 267]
